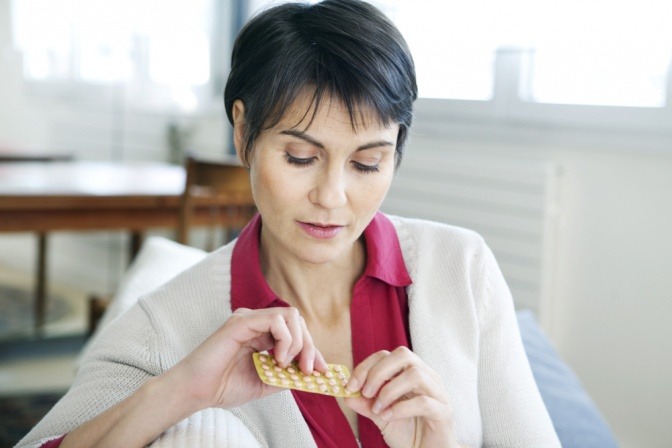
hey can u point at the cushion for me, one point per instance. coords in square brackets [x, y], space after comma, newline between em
[158, 260]
[575, 417]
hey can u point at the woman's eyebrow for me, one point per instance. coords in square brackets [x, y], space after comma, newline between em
[303, 136]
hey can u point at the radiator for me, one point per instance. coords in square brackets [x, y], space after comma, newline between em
[511, 202]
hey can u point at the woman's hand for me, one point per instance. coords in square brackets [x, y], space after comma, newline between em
[405, 398]
[221, 373]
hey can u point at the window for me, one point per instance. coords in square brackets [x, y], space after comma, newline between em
[595, 52]
[158, 49]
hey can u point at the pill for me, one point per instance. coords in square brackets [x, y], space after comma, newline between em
[329, 375]
[263, 358]
[319, 381]
[337, 368]
[291, 370]
[277, 369]
[297, 383]
[285, 382]
[335, 389]
[324, 388]
[340, 376]
[293, 376]
[332, 382]
[265, 366]
[307, 379]
[316, 373]
[268, 373]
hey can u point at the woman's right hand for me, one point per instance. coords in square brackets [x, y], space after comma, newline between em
[220, 372]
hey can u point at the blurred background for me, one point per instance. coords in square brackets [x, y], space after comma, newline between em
[545, 125]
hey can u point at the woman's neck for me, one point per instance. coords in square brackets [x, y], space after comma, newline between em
[321, 292]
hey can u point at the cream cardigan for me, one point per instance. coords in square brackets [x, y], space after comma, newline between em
[462, 324]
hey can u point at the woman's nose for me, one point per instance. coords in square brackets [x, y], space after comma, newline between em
[329, 189]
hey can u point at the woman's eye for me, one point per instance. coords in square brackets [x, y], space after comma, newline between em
[362, 168]
[298, 160]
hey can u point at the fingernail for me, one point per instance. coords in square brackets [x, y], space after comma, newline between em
[367, 392]
[386, 415]
[377, 406]
[352, 385]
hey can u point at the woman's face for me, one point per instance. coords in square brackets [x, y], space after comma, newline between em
[318, 185]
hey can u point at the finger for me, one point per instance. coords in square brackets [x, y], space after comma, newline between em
[412, 381]
[361, 372]
[309, 351]
[296, 329]
[277, 325]
[421, 406]
[387, 368]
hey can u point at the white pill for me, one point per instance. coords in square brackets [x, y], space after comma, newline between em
[291, 370]
[329, 375]
[265, 366]
[324, 388]
[332, 382]
[262, 358]
[338, 368]
[316, 373]
[277, 369]
[268, 373]
[319, 381]
[310, 386]
[335, 389]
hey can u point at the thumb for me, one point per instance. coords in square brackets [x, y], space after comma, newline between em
[362, 406]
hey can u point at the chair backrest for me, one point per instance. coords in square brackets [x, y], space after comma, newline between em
[217, 193]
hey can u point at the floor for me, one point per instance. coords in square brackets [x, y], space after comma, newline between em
[29, 365]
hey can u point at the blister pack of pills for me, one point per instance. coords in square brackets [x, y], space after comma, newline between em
[332, 382]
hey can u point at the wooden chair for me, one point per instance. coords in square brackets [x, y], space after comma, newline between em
[219, 189]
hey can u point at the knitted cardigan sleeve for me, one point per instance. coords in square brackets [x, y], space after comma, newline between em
[512, 411]
[124, 357]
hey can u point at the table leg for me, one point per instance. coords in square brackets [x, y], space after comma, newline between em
[135, 244]
[41, 284]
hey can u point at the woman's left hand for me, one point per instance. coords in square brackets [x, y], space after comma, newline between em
[405, 398]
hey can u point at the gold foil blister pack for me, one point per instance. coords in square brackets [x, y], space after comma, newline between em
[332, 382]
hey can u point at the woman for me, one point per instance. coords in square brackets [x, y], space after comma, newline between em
[320, 98]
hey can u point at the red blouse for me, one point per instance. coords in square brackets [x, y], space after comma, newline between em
[378, 317]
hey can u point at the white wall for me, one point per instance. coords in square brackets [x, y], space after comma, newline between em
[612, 294]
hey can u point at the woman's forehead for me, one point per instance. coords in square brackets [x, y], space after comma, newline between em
[305, 112]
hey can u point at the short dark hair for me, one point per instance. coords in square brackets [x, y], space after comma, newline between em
[345, 49]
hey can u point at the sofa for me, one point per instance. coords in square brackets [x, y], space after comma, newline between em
[577, 421]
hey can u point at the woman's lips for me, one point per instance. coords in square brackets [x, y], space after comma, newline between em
[320, 231]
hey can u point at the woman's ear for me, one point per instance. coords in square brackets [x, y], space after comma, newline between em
[238, 114]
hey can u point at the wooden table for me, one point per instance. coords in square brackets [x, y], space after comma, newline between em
[78, 196]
